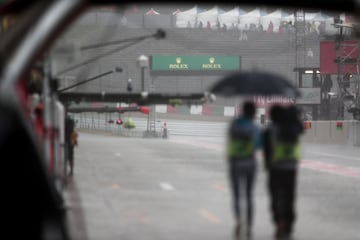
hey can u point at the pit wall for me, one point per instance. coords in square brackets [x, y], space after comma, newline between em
[332, 132]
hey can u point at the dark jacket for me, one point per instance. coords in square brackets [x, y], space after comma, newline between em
[69, 128]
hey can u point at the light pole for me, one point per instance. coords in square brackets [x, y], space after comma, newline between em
[331, 95]
[143, 62]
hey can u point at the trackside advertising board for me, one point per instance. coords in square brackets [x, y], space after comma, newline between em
[180, 64]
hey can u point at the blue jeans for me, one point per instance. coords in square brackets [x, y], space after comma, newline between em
[242, 179]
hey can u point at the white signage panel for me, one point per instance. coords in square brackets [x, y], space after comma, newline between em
[309, 96]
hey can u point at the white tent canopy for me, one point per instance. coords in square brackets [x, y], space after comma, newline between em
[210, 17]
[309, 16]
[289, 18]
[314, 20]
[316, 17]
[176, 12]
[231, 18]
[188, 17]
[275, 17]
[252, 17]
[152, 12]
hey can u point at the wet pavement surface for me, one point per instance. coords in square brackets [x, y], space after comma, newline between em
[177, 188]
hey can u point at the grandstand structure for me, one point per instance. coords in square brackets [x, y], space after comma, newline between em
[274, 51]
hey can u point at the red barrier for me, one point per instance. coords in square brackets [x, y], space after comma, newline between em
[307, 125]
[339, 125]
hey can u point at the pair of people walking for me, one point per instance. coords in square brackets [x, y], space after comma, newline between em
[280, 145]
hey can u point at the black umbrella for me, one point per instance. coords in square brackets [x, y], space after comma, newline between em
[254, 83]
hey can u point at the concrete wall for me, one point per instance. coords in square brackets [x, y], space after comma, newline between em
[327, 132]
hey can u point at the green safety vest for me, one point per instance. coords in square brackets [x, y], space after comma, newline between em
[285, 151]
[241, 148]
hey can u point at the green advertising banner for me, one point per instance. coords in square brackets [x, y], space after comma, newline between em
[195, 63]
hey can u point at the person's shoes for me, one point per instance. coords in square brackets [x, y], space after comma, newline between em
[289, 231]
[248, 231]
[289, 237]
[248, 234]
[280, 233]
[237, 233]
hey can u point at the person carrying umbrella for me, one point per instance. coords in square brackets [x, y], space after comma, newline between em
[281, 154]
[243, 141]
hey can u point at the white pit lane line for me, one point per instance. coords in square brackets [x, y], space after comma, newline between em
[166, 186]
[333, 155]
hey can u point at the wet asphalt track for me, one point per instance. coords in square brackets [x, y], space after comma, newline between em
[156, 189]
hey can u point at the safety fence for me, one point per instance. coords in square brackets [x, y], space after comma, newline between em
[324, 132]
[99, 122]
[115, 129]
[332, 132]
